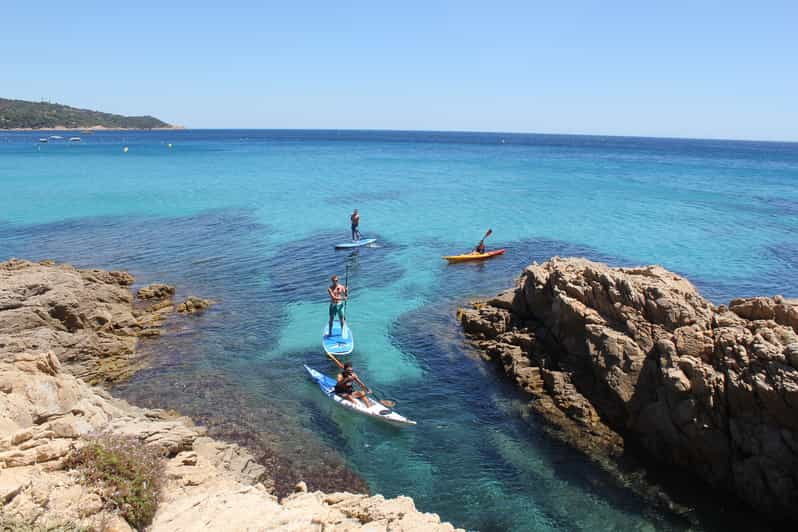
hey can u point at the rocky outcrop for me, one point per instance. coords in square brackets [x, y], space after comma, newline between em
[85, 317]
[636, 355]
[46, 414]
[156, 291]
[55, 319]
[193, 305]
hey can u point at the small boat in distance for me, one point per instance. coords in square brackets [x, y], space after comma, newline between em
[74, 139]
[43, 139]
[57, 137]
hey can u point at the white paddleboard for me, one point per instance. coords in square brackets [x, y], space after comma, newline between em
[355, 243]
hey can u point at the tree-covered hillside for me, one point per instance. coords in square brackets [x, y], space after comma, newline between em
[41, 115]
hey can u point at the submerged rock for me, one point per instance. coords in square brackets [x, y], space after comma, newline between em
[637, 355]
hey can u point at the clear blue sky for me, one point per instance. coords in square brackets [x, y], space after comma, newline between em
[720, 69]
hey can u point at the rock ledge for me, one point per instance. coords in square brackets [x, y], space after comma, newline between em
[635, 355]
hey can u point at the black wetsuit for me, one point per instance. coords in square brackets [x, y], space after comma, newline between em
[344, 386]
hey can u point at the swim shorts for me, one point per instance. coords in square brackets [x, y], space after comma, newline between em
[337, 309]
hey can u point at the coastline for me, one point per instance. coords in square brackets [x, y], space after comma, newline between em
[633, 361]
[93, 128]
[60, 320]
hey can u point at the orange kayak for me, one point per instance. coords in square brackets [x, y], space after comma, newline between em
[474, 256]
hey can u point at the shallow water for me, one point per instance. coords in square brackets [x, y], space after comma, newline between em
[249, 218]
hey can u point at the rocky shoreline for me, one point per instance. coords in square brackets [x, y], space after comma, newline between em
[621, 358]
[61, 329]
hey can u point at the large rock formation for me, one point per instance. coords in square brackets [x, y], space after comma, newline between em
[86, 317]
[621, 355]
[54, 319]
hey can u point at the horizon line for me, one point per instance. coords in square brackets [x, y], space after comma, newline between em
[497, 132]
[449, 131]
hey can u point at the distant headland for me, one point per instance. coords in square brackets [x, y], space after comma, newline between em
[24, 115]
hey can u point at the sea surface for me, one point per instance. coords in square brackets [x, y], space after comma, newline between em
[249, 219]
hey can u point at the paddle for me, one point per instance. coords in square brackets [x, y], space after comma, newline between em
[481, 242]
[346, 285]
[383, 402]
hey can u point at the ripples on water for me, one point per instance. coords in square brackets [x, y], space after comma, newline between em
[245, 221]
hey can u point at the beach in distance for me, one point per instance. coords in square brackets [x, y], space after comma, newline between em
[248, 221]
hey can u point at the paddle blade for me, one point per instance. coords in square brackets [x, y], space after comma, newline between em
[490, 232]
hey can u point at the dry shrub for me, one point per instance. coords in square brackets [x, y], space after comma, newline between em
[128, 473]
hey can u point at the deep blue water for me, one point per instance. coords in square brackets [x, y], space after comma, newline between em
[249, 218]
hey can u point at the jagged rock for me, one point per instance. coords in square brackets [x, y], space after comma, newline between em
[639, 353]
[194, 304]
[156, 291]
[85, 317]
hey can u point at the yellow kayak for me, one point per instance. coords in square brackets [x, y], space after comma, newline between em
[474, 256]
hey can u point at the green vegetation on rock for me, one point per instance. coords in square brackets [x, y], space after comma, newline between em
[42, 115]
[128, 474]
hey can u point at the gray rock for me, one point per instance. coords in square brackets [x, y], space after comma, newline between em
[714, 391]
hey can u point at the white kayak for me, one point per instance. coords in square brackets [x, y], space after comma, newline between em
[355, 243]
[376, 410]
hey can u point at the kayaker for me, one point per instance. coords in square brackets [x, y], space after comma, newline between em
[345, 389]
[338, 294]
[355, 219]
[480, 249]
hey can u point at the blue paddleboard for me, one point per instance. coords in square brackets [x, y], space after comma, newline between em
[356, 243]
[338, 343]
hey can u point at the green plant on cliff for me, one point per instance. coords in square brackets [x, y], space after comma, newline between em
[128, 474]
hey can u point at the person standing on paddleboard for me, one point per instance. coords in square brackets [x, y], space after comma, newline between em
[344, 386]
[338, 294]
[355, 219]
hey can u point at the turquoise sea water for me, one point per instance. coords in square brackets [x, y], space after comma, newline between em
[249, 218]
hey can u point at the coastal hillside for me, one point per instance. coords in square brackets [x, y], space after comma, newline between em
[20, 114]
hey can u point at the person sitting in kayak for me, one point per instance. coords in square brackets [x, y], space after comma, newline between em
[480, 249]
[355, 219]
[338, 294]
[345, 389]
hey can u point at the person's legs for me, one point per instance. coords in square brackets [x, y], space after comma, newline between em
[348, 397]
[362, 395]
